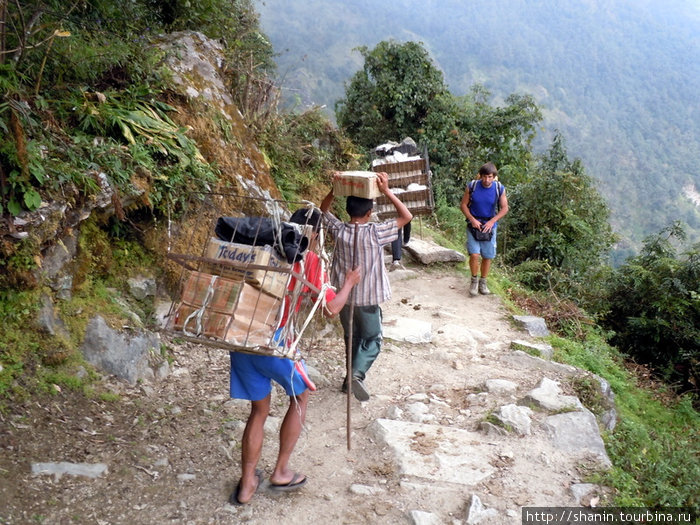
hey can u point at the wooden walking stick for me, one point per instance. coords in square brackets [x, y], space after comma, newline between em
[348, 350]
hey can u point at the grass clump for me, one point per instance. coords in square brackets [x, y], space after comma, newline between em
[491, 418]
[18, 347]
[654, 447]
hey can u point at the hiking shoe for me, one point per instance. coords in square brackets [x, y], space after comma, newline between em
[474, 288]
[483, 289]
[396, 265]
[344, 387]
[358, 388]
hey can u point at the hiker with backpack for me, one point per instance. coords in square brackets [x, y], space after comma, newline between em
[483, 204]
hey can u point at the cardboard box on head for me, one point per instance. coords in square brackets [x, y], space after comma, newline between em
[356, 183]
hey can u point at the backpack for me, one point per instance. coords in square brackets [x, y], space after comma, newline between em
[499, 192]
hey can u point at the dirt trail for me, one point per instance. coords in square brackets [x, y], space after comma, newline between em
[172, 449]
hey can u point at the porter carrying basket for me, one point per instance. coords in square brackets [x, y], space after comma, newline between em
[243, 285]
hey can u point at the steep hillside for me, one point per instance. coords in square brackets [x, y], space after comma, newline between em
[617, 79]
[202, 106]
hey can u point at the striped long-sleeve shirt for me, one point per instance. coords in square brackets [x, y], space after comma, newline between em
[374, 286]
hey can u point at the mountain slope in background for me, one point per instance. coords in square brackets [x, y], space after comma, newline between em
[619, 79]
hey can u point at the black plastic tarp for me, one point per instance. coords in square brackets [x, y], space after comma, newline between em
[287, 239]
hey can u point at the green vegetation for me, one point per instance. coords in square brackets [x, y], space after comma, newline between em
[558, 234]
[17, 309]
[599, 70]
[311, 149]
[393, 95]
[654, 445]
[108, 397]
[33, 360]
[653, 308]
[62, 134]
[492, 419]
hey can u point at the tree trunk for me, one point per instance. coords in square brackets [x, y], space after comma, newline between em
[3, 14]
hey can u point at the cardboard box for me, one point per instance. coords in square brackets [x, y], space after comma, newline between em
[357, 183]
[208, 324]
[238, 258]
[255, 318]
[230, 311]
[217, 293]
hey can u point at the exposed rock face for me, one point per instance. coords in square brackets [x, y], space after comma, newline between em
[197, 63]
[53, 222]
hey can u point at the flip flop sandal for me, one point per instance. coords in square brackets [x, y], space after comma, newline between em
[233, 498]
[295, 483]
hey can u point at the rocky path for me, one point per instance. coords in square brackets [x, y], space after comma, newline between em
[460, 428]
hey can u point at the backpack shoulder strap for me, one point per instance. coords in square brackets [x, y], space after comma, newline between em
[499, 192]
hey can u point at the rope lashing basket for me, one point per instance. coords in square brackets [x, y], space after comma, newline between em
[246, 288]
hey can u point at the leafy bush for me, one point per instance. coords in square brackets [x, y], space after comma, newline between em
[499, 134]
[654, 308]
[392, 95]
[558, 217]
[302, 150]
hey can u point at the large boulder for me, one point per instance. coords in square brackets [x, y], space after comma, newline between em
[427, 252]
[128, 355]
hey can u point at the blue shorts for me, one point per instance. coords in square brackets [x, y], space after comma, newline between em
[252, 376]
[487, 249]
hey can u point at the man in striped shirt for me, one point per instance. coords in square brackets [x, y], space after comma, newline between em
[374, 287]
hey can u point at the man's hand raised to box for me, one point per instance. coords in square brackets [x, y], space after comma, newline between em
[328, 199]
[383, 183]
[405, 216]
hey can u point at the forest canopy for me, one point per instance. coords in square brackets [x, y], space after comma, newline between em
[606, 75]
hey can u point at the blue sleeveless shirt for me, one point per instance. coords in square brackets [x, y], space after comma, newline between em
[483, 201]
